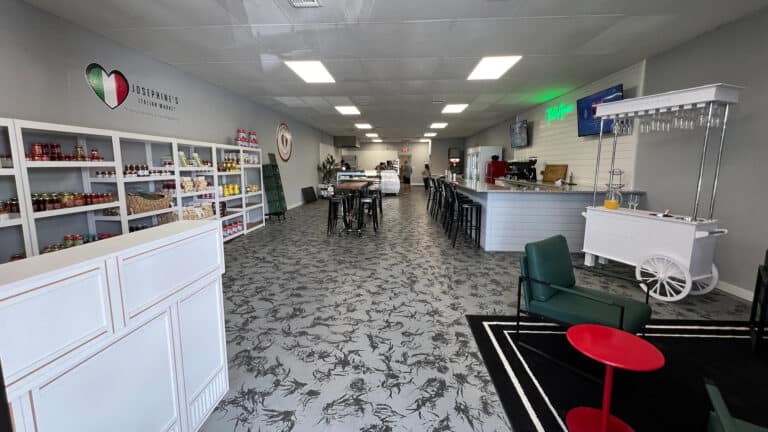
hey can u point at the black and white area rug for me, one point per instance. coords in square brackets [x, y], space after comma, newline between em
[537, 393]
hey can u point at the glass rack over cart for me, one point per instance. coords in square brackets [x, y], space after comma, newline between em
[672, 254]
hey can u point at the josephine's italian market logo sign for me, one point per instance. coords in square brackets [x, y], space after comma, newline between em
[113, 89]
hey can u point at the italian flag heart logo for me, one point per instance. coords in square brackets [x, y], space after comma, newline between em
[111, 88]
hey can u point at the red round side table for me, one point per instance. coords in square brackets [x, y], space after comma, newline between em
[615, 349]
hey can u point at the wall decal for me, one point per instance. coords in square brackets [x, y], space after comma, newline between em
[284, 141]
[111, 88]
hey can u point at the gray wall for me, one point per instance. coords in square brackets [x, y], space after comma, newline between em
[497, 135]
[667, 164]
[438, 159]
[42, 66]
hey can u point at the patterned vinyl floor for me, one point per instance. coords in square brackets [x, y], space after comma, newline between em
[368, 334]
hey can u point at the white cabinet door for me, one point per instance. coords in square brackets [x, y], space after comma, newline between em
[116, 389]
[201, 325]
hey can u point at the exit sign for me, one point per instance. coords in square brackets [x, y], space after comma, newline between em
[558, 112]
[405, 150]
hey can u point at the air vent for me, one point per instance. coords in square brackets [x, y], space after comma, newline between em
[305, 3]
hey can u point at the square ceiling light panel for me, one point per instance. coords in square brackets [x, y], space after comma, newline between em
[347, 110]
[372, 135]
[491, 68]
[430, 134]
[425, 140]
[376, 140]
[438, 125]
[363, 126]
[454, 108]
[312, 72]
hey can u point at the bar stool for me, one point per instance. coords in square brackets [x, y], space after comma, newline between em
[334, 205]
[369, 205]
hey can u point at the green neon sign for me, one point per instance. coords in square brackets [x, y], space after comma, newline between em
[558, 112]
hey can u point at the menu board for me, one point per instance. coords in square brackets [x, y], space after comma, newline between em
[587, 107]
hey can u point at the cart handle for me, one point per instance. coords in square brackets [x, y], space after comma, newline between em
[713, 233]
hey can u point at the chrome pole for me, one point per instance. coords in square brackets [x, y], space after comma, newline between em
[613, 152]
[597, 161]
[701, 163]
[717, 166]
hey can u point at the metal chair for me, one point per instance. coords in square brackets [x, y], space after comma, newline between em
[759, 316]
[720, 419]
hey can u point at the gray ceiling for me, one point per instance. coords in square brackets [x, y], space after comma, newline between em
[393, 58]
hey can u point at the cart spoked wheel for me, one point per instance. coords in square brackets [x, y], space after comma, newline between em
[665, 277]
[707, 284]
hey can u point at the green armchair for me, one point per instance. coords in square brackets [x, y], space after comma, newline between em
[720, 419]
[548, 283]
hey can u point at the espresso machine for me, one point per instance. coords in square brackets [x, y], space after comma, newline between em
[522, 170]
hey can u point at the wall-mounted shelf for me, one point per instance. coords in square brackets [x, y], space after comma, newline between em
[73, 210]
[55, 164]
[33, 231]
[198, 193]
[11, 222]
[148, 179]
[152, 213]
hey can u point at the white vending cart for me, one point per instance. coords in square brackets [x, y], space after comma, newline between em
[672, 254]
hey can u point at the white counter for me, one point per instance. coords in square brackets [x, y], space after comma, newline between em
[521, 212]
[125, 334]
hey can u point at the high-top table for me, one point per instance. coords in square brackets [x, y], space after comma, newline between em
[616, 349]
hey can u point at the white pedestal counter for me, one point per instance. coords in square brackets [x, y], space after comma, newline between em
[125, 334]
[518, 213]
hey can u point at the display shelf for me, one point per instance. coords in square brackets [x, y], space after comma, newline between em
[14, 221]
[194, 194]
[231, 215]
[62, 164]
[73, 210]
[196, 169]
[248, 207]
[230, 198]
[148, 179]
[152, 213]
[103, 179]
[34, 230]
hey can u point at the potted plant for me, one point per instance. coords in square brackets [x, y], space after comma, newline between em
[327, 169]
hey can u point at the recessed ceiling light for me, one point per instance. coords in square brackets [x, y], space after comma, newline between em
[424, 140]
[491, 68]
[372, 135]
[376, 140]
[454, 108]
[347, 110]
[430, 134]
[312, 72]
[438, 125]
[363, 126]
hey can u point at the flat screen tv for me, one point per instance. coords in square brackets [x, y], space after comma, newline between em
[586, 107]
[518, 134]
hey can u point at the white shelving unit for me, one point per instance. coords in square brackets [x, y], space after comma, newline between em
[29, 232]
[14, 232]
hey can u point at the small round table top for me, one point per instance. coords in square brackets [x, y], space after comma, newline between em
[615, 347]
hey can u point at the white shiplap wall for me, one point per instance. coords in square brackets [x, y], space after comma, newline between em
[559, 143]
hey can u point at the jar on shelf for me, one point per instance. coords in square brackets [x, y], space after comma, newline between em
[67, 200]
[95, 154]
[78, 153]
[79, 199]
